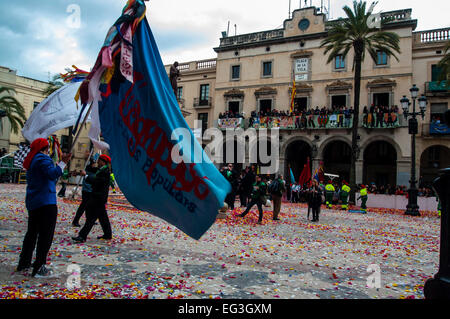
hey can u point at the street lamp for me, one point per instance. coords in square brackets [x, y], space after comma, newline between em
[412, 208]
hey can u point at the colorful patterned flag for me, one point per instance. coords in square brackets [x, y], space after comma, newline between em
[140, 121]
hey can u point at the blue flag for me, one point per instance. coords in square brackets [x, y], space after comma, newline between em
[138, 121]
[292, 176]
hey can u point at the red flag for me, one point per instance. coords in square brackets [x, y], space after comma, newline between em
[305, 176]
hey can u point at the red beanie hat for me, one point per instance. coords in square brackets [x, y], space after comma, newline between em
[35, 148]
[105, 158]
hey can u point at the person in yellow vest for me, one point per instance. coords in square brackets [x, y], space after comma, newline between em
[329, 193]
[363, 197]
[345, 191]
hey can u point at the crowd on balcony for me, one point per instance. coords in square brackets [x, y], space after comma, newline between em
[231, 115]
[337, 116]
[380, 116]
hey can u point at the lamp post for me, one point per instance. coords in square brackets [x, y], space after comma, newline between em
[412, 208]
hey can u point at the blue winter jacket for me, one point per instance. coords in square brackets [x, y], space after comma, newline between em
[41, 182]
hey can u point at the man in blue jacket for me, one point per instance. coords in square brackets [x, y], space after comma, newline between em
[40, 202]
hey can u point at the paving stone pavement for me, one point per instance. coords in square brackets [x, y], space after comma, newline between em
[236, 259]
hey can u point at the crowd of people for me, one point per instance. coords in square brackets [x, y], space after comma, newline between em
[231, 115]
[41, 204]
[312, 118]
[335, 116]
[399, 190]
[380, 116]
[253, 190]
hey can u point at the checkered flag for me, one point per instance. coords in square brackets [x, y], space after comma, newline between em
[20, 155]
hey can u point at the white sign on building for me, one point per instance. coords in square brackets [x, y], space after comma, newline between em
[301, 69]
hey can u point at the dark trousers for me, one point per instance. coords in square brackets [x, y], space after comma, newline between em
[315, 212]
[253, 202]
[230, 200]
[41, 228]
[276, 205]
[96, 209]
[62, 192]
[243, 198]
[82, 208]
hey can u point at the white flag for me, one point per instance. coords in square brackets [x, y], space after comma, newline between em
[58, 111]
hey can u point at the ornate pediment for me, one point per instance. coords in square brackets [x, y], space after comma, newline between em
[266, 91]
[381, 83]
[301, 54]
[234, 93]
[301, 88]
[339, 85]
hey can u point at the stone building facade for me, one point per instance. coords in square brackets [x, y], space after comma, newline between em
[29, 93]
[254, 72]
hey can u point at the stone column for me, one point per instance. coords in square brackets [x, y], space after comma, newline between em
[359, 166]
[404, 172]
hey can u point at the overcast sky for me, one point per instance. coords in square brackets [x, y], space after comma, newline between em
[42, 37]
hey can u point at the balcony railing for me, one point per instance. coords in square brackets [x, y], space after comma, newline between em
[197, 65]
[437, 86]
[386, 17]
[311, 122]
[429, 36]
[439, 129]
[232, 123]
[335, 121]
[388, 120]
[202, 103]
[252, 37]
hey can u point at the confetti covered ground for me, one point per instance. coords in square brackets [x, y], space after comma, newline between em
[289, 259]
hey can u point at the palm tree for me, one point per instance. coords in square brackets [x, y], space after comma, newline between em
[444, 64]
[354, 33]
[11, 109]
[55, 84]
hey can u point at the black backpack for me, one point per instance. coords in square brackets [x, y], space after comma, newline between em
[274, 187]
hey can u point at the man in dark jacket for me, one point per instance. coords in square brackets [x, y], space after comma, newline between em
[41, 202]
[96, 207]
[277, 191]
[230, 174]
[315, 200]
[258, 198]
[85, 194]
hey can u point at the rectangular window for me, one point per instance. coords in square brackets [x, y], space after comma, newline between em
[435, 72]
[204, 94]
[204, 118]
[179, 93]
[65, 143]
[235, 72]
[339, 62]
[382, 58]
[267, 68]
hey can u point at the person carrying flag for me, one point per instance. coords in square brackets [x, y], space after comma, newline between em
[41, 203]
[329, 193]
[363, 197]
[96, 207]
[345, 191]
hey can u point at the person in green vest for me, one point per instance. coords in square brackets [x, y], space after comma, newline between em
[112, 182]
[258, 198]
[64, 181]
[363, 198]
[345, 191]
[329, 193]
[439, 206]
